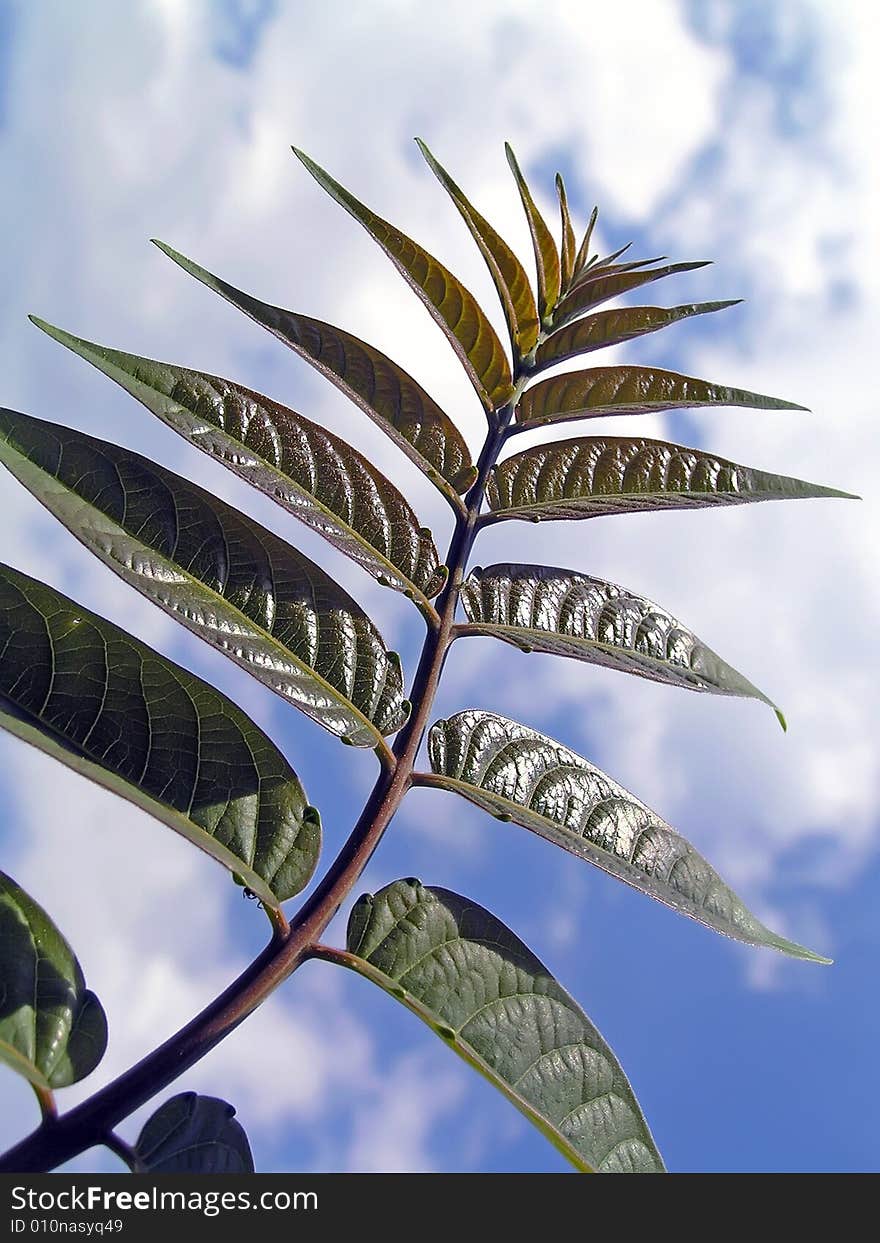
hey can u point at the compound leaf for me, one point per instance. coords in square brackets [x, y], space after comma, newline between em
[222, 575]
[498, 1007]
[313, 474]
[517, 774]
[452, 306]
[192, 1134]
[111, 708]
[602, 391]
[544, 609]
[598, 475]
[53, 1030]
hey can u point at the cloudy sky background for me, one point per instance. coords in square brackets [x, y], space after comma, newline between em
[729, 130]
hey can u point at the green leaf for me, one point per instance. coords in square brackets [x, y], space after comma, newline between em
[497, 1006]
[53, 1030]
[598, 475]
[314, 475]
[606, 328]
[546, 255]
[111, 708]
[517, 774]
[507, 272]
[225, 577]
[378, 386]
[629, 390]
[193, 1134]
[567, 253]
[544, 609]
[594, 290]
[452, 306]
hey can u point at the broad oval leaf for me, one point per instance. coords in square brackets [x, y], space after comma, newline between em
[567, 252]
[597, 475]
[507, 272]
[546, 255]
[53, 1030]
[517, 774]
[452, 306]
[192, 1134]
[225, 577]
[544, 609]
[111, 708]
[497, 1006]
[606, 328]
[311, 473]
[379, 387]
[603, 391]
[594, 290]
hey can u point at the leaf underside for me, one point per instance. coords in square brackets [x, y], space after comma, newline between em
[629, 390]
[545, 609]
[568, 248]
[226, 578]
[598, 287]
[311, 473]
[53, 1030]
[517, 774]
[378, 386]
[111, 708]
[193, 1134]
[511, 282]
[597, 475]
[452, 306]
[495, 1004]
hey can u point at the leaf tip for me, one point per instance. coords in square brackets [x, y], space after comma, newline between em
[780, 716]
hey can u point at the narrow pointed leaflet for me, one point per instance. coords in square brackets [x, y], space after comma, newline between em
[517, 774]
[567, 252]
[603, 391]
[592, 291]
[544, 609]
[605, 328]
[583, 253]
[111, 708]
[598, 475]
[53, 1030]
[192, 1134]
[311, 473]
[546, 255]
[378, 386]
[497, 1006]
[452, 306]
[511, 282]
[225, 577]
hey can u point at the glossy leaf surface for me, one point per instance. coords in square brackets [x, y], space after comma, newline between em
[544, 609]
[603, 391]
[517, 774]
[53, 1030]
[111, 708]
[225, 577]
[598, 475]
[546, 255]
[491, 1000]
[606, 328]
[313, 474]
[378, 386]
[193, 1134]
[594, 290]
[507, 272]
[452, 306]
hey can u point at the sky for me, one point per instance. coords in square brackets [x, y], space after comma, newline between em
[735, 130]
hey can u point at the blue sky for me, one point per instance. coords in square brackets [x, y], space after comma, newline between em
[734, 131]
